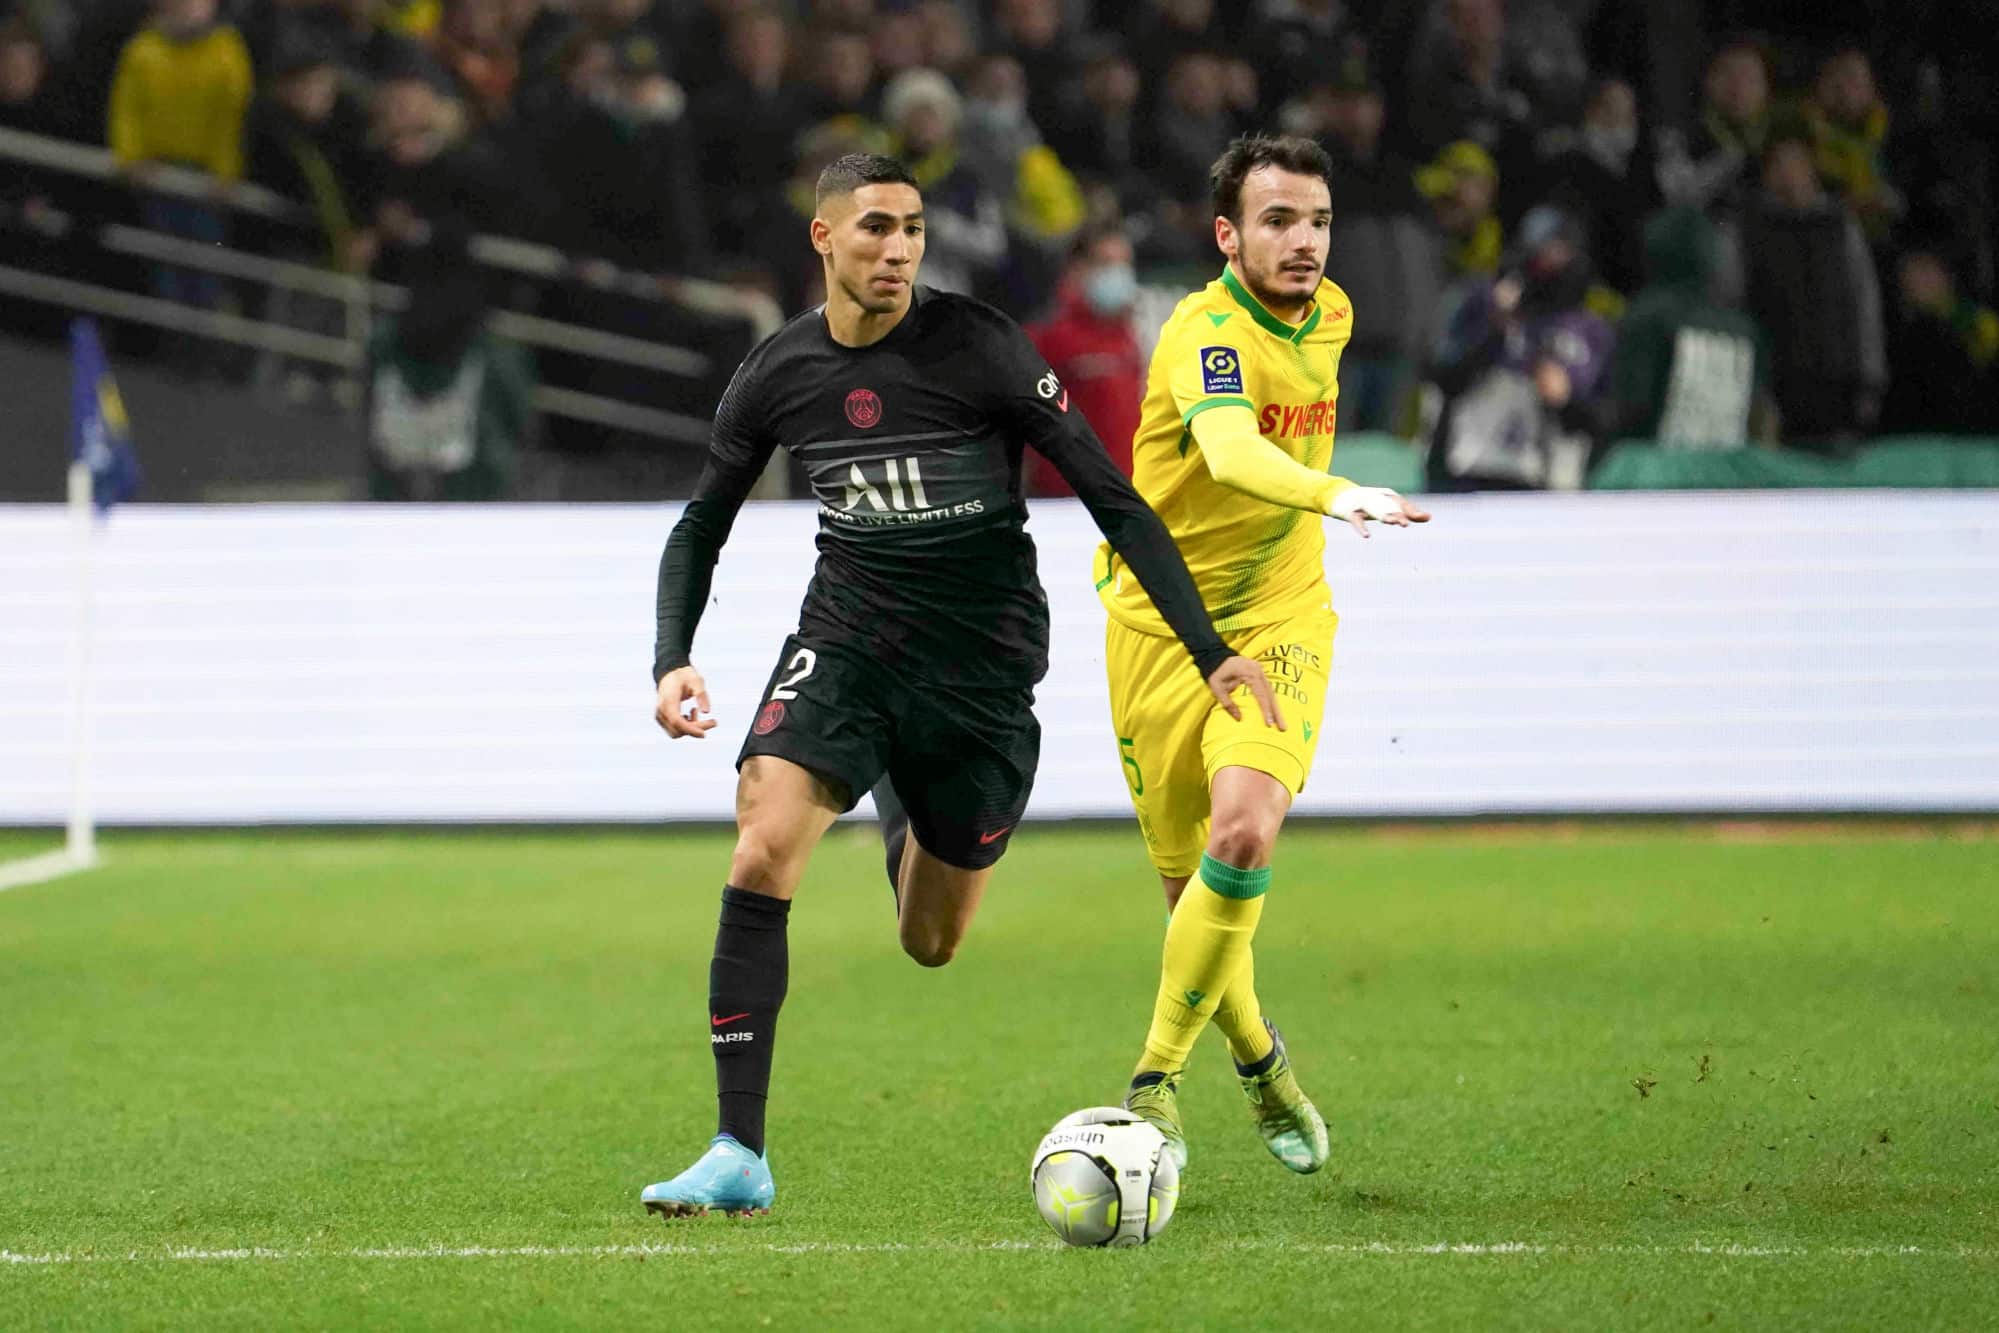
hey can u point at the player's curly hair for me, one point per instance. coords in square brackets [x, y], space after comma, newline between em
[1290, 152]
[844, 175]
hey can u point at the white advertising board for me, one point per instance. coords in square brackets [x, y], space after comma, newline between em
[1523, 654]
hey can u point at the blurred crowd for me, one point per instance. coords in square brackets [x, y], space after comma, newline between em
[1561, 221]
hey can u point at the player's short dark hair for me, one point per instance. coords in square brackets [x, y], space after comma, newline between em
[844, 175]
[1289, 152]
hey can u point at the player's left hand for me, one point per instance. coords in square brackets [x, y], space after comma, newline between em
[1358, 504]
[1237, 672]
[677, 690]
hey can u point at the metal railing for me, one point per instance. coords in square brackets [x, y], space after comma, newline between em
[362, 297]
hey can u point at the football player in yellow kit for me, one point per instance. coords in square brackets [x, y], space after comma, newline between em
[1233, 450]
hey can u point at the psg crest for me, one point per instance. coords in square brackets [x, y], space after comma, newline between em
[864, 409]
[770, 718]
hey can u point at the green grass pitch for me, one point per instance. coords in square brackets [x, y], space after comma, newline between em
[1578, 1077]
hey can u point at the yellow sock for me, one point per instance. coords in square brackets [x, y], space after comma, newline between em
[1240, 1016]
[1206, 943]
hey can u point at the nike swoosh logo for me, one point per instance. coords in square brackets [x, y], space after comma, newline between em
[994, 836]
[718, 1022]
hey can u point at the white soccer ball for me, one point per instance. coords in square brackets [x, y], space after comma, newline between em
[1102, 1176]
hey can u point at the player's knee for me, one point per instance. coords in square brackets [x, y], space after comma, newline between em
[1242, 838]
[929, 953]
[760, 862]
[928, 949]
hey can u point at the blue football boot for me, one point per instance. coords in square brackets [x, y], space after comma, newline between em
[728, 1178]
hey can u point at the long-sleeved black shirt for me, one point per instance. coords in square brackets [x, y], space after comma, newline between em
[913, 446]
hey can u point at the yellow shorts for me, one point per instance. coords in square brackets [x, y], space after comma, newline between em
[1172, 736]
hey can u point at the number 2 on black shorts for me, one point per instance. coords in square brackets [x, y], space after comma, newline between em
[801, 665]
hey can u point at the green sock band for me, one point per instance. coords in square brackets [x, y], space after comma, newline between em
[1231, 882]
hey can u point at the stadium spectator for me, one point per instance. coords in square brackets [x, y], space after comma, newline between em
[948, 44]
[1944, 356]
[1161, 31]
[1104, 139]
[898, 42]
[1523, 368]
[619, 21]
[1462, 185]
[1192, 126]
[178, 99]
[842, 73]
[1716, 168]
[1687, 371]
[964, 223]
[450, 408]
[1659, 48]
[180, 93]
[370, 40]
[30, 100]
[1293, 40]
[1468, 83]
[701, 38]
[616, 162]
[1812, 287]
[425, 191]
[1849, 125]
[35, 227]
[747, 125]
[1385, 251]
[1031, 31]
[1594, 174]
[1043, 202]
[475, 47]
[301, 139]
[854, 15]
[1092, 348]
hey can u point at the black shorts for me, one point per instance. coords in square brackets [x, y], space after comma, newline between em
[962, 760]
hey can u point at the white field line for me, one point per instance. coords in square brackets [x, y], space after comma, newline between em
[1358, 1249]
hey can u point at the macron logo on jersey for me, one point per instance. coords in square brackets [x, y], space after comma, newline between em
[1221, 370]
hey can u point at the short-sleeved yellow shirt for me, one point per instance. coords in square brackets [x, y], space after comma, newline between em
[1255, 563]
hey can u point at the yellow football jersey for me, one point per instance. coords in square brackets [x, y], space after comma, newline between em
[1255, 563]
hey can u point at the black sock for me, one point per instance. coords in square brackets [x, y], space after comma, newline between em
[746, 985]
[1256, 1067]
[895, 833]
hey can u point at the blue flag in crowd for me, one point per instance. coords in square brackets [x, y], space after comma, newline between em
[100, 435]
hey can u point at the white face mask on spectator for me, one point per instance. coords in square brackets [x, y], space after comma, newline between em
[998, 117]
[1110, 290]
[1610, 143]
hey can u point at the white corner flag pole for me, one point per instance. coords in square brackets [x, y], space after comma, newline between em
[80, 840]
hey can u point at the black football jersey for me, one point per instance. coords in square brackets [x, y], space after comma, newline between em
[913, 448]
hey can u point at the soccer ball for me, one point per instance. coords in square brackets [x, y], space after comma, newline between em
[1102, 1176]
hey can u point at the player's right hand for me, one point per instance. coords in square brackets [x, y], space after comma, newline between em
[1358, 504]
[1237, 672]
[676, 689]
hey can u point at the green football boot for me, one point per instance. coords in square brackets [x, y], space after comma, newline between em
[1158, 1104]
[1289, 1124]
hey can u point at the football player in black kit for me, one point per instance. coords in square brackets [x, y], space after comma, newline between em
[921, 636]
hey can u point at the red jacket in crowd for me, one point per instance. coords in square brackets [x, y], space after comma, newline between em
[1098, 361]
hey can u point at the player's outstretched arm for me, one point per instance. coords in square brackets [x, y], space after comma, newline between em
[1240, 458]
[678, 689]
